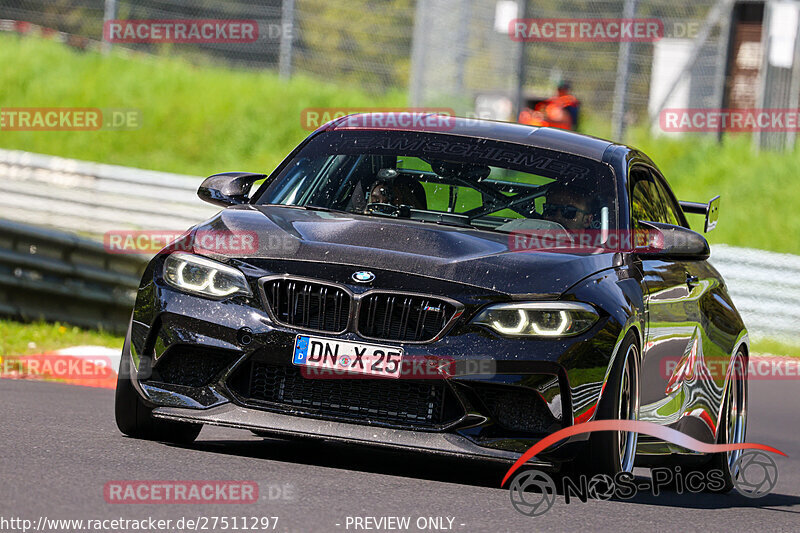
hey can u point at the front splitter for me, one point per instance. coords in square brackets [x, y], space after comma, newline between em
[287, 426]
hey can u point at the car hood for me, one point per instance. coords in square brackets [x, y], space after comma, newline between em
[472, 257]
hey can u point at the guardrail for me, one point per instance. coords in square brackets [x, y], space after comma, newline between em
[765, 286]
[57, 276]
[93, 198]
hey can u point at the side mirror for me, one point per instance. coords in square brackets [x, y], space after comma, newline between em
[228, 188]
[710, 210]
[673, 242]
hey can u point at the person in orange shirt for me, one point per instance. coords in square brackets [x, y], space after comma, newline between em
[560, 111]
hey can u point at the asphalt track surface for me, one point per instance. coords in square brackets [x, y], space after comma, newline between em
[59, 447]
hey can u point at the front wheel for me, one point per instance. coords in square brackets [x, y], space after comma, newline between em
[612, 452]
[134, 417]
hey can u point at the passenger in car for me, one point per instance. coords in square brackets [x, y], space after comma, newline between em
[568, 206]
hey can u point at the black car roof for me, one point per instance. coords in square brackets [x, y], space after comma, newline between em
[539, 137]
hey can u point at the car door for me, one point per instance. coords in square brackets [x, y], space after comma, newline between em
[697, 377]
[672, 312]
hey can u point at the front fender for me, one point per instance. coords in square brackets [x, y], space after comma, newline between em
[618, 293]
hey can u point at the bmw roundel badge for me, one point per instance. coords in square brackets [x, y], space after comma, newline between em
[363, 276]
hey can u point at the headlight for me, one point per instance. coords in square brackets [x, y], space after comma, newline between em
[199, 275]
[538, 319]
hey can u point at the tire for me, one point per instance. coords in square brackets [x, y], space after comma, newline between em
[732, 430]
[134, 417]
[612, 452]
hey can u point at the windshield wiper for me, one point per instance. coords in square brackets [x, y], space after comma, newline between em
[447, 223]
[458, 224]
[308, 208]
[443, 219]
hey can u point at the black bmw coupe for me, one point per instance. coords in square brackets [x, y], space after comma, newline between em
[444, 285]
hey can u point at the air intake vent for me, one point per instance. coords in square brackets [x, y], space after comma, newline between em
[402, 317]
[191, 366]
[517, 409]
[308, 305]
[423, 404]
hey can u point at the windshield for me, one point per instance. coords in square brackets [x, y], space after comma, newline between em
[447, 179]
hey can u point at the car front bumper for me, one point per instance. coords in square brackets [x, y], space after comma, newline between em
[563, 376]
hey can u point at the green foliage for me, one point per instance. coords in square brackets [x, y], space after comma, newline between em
[760, 190]
[195, 119]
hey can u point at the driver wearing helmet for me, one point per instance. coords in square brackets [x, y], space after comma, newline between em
[395, 189]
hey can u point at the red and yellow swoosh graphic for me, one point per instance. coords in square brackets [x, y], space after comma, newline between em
[646, 428]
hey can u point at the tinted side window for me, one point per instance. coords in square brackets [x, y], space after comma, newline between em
[670, 207]
[645, 200]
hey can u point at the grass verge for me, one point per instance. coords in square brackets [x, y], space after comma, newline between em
[774, 347]
[18, 338]
[196, 119]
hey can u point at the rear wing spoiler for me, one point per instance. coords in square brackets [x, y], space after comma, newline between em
[710, 210]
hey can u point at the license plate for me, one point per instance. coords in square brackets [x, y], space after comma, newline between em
[331, 354]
